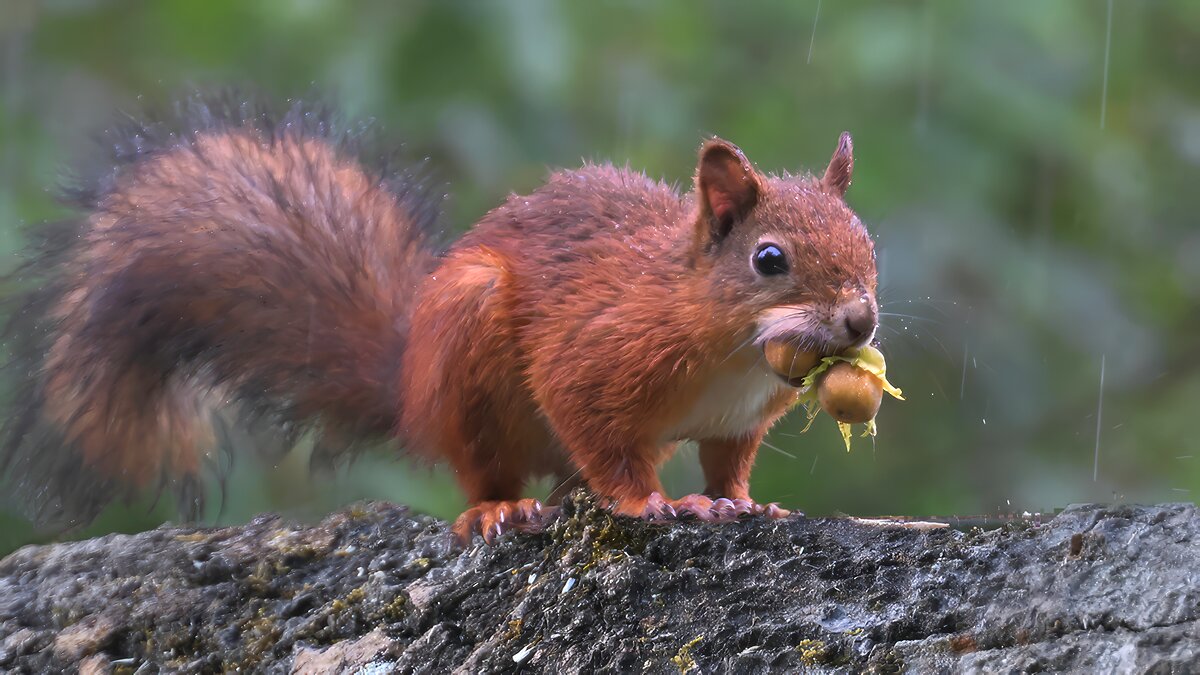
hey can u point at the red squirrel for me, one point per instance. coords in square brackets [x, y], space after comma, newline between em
[239, 265]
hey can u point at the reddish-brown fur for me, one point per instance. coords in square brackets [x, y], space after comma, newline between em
[602, 311]
[581, 331]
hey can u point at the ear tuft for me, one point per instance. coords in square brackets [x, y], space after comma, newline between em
[727, 187]
[841, 167]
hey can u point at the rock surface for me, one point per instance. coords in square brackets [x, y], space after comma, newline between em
[1095, 589]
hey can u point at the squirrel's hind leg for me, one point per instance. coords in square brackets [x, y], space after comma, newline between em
[493, 475]
[466, 401]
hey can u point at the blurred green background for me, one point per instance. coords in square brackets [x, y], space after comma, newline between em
[1035, 207]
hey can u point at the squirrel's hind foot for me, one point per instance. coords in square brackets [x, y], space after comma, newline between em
[494, 518]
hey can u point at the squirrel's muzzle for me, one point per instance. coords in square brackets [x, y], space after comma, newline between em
[855, 319]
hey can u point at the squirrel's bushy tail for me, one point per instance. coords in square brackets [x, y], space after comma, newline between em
[232, 265]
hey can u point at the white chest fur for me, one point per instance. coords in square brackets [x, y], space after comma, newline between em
[732, 402]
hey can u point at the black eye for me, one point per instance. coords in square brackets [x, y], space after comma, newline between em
[769, 260]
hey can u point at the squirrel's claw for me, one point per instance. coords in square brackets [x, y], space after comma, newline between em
[493, 519]
[720, 510]
[657, 508]
[774, 510]
[701, 507]
[729, 509]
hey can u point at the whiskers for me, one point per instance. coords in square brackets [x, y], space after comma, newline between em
[912, 317]
[564, 486]
[937, 331]
[797, 313]
[934, 329]
[794, 326]
[781, 451]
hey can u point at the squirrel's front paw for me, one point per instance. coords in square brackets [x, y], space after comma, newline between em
[656, 507]
[724, 510]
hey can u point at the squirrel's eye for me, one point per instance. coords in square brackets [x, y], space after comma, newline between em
[770, 260]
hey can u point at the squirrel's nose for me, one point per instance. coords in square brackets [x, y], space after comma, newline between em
[857, 320]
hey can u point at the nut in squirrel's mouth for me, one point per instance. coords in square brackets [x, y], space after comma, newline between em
[791, 362]
[793, 341]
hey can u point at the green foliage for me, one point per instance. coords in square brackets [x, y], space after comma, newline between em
[1020, 241]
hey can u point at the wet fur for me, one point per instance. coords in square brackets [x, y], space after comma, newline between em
[242, 269]
[236, 267]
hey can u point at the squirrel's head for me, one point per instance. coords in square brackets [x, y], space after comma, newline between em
[787, 249]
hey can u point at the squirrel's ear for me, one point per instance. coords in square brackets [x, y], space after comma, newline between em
[841, 167]
[727, 188]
